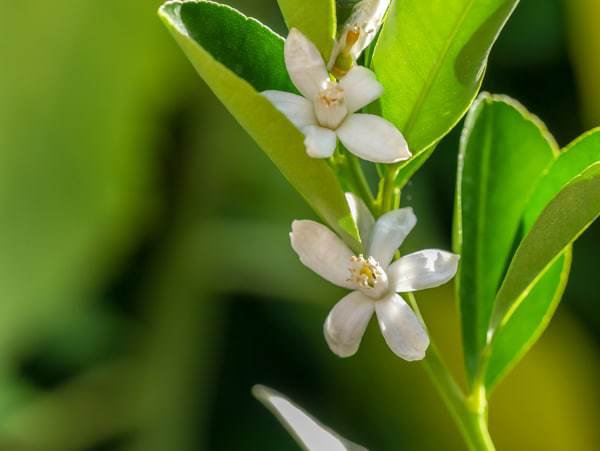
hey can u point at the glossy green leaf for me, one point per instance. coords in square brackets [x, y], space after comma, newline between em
[238, 57]
[574, 159]
[566, 217]
[516, 336]
[530, 319]
[431, 58]
[308, 432]
[315, 18]
[504, 152]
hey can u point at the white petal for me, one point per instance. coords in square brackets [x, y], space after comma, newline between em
[320, 142]
[346, 323]
[425, 269]
[362, 217]
[304, 64]
[306, 430]
[360, 88]
[402, 330]
[372, 138]
[296, 108]
[322, 251]
[388, 234]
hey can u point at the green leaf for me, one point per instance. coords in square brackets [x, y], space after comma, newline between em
[315, 18]
[566, 217]
[512, 341]
[574, 159]
[308, 432]
[431, 58]
[515, 337]
[237, 57]
[504, 152]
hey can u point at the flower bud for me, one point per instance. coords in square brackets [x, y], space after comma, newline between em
[357, 34]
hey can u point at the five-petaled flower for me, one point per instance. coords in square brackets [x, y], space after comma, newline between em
[374, 279]
[327, 109]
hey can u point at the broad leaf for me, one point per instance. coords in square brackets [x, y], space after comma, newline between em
[308, 432]
[566, 217]
[514, 338]
[504, 151]
[431, 58]
[315, 18]
[238, 57]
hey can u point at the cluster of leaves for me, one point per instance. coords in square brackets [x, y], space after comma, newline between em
[520, 201]
[516, 190]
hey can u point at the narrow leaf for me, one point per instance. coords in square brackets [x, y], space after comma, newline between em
[566, 217]
[574, 159]
[431, 58]
[514, 338]
[504, 151]
[237, 57]
[308, 432]
[315, 18]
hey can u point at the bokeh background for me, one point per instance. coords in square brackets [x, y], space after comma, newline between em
[146, 281]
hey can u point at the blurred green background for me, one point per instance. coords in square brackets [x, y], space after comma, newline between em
[146, 281]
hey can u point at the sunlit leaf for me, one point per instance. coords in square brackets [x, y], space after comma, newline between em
[574, 159]
[566, 217]
[238, 57]
[504, 151]
[431, 58]
[315, 18]
[516, 336]
[308, 432]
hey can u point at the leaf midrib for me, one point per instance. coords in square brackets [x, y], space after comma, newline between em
[481, 224]
[425, 90]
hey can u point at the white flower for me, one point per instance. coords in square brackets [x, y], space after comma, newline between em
[328, 109]
[374, 279]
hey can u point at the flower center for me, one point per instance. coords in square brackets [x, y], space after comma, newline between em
[368, 275]
[332, 95]
[330, 105]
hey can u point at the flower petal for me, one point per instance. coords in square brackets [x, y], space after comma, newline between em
[346, 323]
[362, 218]
[296, 108]
[320, 142]
[403, 331]
[388, 234]
[360, 88]
[304, 64]
[425, 269]
[372, 138]
[322, 251]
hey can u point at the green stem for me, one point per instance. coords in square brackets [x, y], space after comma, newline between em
[360, 181]
[389, 194]
[469, 413]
